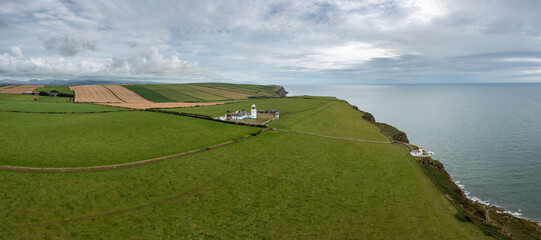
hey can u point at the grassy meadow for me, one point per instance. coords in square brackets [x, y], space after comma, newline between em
[76, 140]
[45, 106]
[276, 185]
[25, 97]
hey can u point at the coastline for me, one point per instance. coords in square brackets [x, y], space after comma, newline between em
[491, 148]
[494, 220]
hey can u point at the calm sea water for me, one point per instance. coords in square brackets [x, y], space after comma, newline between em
[488, 136]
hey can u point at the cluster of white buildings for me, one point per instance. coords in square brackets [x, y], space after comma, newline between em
[421, 153]
[241, 114]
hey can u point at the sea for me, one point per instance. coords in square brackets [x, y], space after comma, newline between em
[488, 136]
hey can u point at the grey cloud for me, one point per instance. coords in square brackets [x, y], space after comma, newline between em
[3, 24]
[67, 46]
[132, 44]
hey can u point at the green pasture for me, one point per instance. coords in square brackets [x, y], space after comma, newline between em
[76, 140]
[275, 186]
[318, 115]
[25, 97]
[42, 106]
[58, 88]
[284, 105]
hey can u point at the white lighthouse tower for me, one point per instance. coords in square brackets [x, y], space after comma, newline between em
[253, 114]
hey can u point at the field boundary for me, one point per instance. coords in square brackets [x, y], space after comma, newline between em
[130, 164]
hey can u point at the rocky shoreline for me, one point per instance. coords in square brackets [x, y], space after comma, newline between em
[493, 220]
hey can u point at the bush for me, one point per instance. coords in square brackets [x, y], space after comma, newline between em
[369, 117]
[463, 217]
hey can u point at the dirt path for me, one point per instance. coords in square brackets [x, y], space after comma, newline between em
[124, 165]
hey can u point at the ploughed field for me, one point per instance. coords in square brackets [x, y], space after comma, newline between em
[277, 184]
[19, 89]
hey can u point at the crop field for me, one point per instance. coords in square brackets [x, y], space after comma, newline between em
[201, 92]
[76, 140]
[258, 90]
[125, 94]
[222, 92]
[94, 94]
[19, 89]
[58, 88]
[276, 185]
[193, 92]
[148, 93]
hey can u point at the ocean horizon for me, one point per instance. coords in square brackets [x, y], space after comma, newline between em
[487, 136]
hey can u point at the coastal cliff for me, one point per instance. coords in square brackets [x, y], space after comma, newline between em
[491, 219]
[386, 129]
[282, 92]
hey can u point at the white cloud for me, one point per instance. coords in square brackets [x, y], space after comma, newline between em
[16, 52]
[347, 55]
[260, 39]
[146, 63]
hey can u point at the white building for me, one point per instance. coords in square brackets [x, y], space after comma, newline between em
[253, 114]
[421, 153]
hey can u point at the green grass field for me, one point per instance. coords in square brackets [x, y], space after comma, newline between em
[24, 97]
[74, 140]
[58, 88]
[43, 106]
[277, 185]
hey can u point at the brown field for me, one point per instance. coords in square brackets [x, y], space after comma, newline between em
[19, 89]
[106, 94]
[94, 94]
[125, 94]
[159, 105]
[222, 92]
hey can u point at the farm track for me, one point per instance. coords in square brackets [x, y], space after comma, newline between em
[19, 89]
[124, 165]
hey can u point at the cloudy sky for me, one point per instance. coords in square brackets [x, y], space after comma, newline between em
[273, 42]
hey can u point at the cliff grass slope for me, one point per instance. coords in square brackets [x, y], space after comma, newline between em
[289, 183]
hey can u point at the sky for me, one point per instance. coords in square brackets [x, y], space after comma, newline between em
[272, 42]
